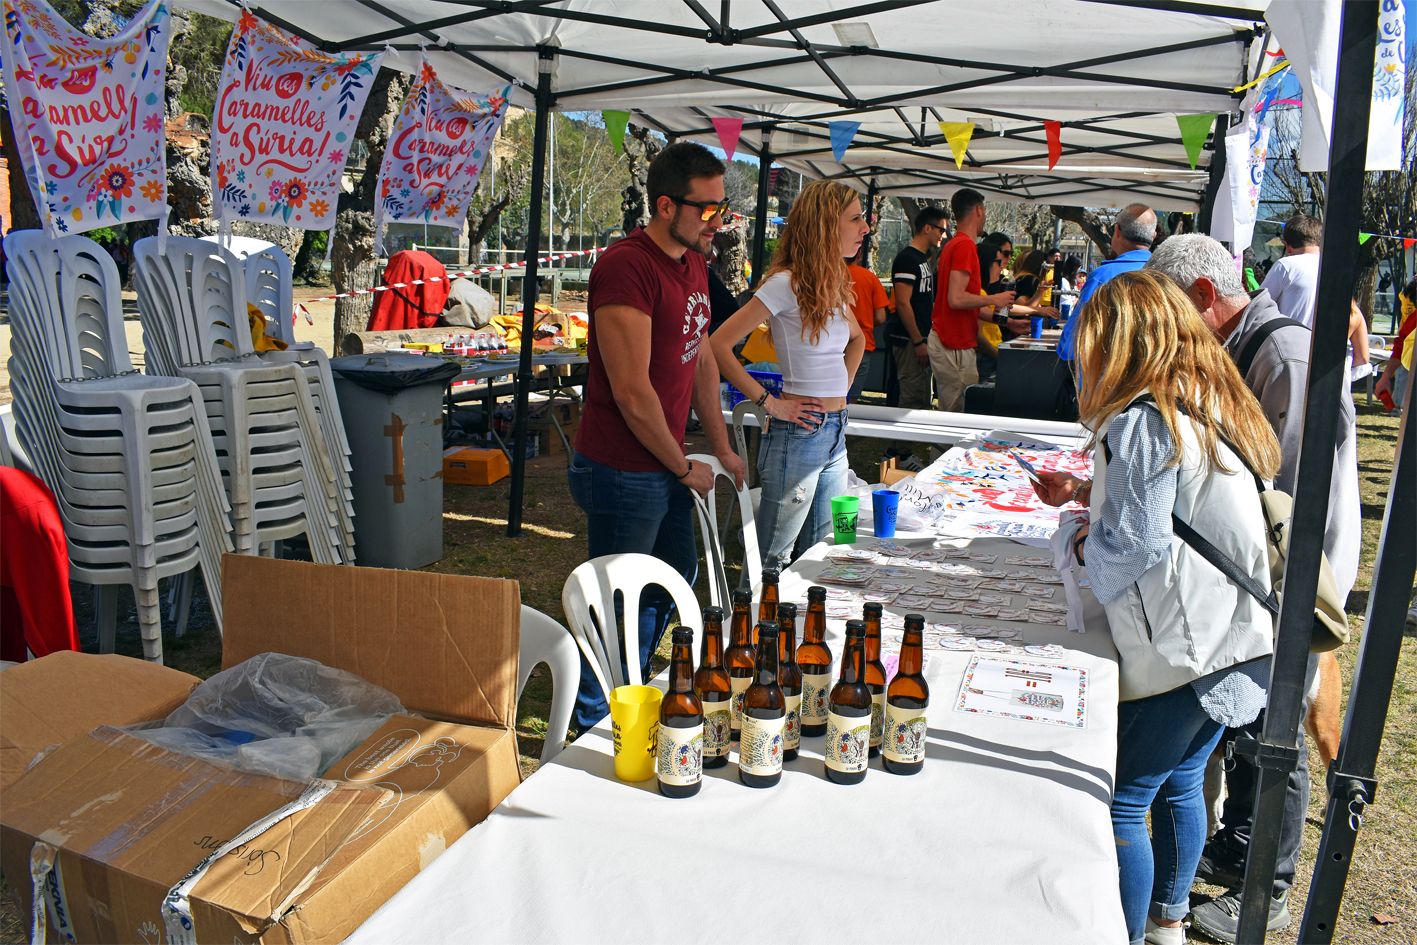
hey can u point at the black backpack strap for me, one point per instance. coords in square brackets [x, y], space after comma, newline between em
[1261, 335]
[1224, 564]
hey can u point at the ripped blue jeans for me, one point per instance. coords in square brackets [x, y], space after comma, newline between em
[801, 471]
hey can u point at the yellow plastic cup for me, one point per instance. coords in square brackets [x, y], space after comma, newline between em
[634, 718]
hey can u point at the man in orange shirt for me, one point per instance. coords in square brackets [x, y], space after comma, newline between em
[960, 304]
[870, 310]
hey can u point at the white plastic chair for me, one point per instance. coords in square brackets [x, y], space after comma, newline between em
[720, 594]
[544, 640]
[588, 598]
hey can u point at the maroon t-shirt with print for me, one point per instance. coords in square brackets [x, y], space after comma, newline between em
[673, 294]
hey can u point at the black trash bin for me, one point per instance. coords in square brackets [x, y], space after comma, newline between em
[392, 405]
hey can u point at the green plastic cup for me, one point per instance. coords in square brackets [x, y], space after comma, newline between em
[845, 508]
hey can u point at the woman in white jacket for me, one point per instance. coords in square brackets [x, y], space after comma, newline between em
[1177, 432]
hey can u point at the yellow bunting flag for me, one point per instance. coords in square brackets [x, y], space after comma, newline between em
[958, 133]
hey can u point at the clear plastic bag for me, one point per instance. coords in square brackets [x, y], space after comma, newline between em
[275, 714]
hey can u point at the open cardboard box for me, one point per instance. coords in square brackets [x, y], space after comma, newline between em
[119, 835]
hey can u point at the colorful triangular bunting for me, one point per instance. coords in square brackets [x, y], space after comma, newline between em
[1054, 130]
[728, 131]
[1194, 130]
[1363, 237]
[957, 134]
[615, 124]
[841, 134]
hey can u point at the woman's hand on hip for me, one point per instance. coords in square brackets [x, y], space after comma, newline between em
[807, 414]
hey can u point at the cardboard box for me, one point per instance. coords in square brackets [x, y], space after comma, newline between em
[125, 822]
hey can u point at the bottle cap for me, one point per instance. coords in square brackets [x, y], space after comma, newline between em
[915, 620]
[816, 593]
[770, 575]
[786, 611]
[855, 628]
[742, 597]
[767, 628]
[683, 636]
[872, 609]
[713, 614]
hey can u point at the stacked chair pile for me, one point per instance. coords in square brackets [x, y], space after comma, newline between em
[129, 457]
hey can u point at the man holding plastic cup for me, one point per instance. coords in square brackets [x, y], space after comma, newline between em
[649, 361]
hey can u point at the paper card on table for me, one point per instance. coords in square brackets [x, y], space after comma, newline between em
[998, 600]
[1024, 690]
[1047, 608]
[961, 593]
[1056, 620]
[1014, 614]
[1037, 590]
[1013, 587]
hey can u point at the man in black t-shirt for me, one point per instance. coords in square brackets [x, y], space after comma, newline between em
[913, 292]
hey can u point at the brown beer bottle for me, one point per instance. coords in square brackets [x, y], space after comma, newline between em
[849, 714]
[764, 716]
[815, 661]
[767, 600]
[789, 677]
[740, 657]
[714, 692]
[875, 674]
[679, 763]
[906, 701]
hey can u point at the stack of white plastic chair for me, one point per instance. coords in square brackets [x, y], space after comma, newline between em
[279, 476]
[129, 457]
[269, 283]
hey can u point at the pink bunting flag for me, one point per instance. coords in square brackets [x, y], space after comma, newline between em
[728, 130]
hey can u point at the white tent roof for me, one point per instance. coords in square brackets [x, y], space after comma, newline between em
[1116, 72]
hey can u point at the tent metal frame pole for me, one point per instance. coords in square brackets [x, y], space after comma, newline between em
[870, 214]
[546, 60]
[1217, 178]
[761, 212]
[1352, 779]
[1275, 753]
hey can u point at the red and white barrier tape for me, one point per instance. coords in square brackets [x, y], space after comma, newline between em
[300, 308]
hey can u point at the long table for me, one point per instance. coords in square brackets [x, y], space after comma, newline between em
[1003, 837]
[940, 427]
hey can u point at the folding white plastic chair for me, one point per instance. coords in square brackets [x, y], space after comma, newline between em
[589, 599]
[720, 594]
[544, 640]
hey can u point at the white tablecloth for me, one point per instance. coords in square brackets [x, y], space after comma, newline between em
[1003, 837]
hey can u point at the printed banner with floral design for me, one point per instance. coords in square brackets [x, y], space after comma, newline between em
[285, 118]
[89, 115]
[438, 146]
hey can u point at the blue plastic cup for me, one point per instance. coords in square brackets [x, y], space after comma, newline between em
[884, 505]
[1035, 324]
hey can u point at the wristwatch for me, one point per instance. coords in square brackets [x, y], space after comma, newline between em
[921, 342]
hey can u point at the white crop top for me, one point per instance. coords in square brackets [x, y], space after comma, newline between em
[808, 370]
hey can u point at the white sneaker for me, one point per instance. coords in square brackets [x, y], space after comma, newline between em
[1163, 935]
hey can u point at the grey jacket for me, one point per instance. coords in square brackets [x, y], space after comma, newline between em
[1279, 376]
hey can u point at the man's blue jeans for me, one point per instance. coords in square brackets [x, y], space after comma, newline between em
[646, 512]
[801, 471]
[1163, 743]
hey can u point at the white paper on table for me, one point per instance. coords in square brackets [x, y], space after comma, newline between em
[1024, 690]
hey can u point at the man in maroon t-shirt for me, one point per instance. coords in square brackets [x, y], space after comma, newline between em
[649, 361]
[960, 304]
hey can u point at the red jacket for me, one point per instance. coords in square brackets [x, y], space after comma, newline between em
[415, 306]
[35, 608]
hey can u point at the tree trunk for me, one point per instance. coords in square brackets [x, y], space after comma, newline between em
[23, 213]
[1091, 225]
[640, 150]
[731, 253]
[353, 264]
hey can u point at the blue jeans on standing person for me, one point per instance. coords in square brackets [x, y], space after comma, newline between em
[801, 470]
[1163, 743]
[645, 512]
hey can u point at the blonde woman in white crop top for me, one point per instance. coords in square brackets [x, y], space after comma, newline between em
[806, 296]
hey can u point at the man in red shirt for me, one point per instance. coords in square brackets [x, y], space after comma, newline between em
[649, 360]
[869, 307]
[960, 304]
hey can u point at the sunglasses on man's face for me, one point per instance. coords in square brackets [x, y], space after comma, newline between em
[708, 209]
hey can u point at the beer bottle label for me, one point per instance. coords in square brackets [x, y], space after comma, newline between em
[718, 724]
[848, 742]
[816, 687]
[878, 717]
[792, 727]
[760, 745]
[739, 685]
[681, 755]
[904, 735]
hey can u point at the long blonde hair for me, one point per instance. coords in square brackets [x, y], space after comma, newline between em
[1140, 333]
[810, 253]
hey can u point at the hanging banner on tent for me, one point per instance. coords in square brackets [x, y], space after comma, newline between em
[439, 143]
[1309, 32]
[957, 134]
[729, 130]
[1246, 154]
[615, 124]
[1054, 131]
[1194, 130]
[841, 133]
[285, 118]
[88, 115]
